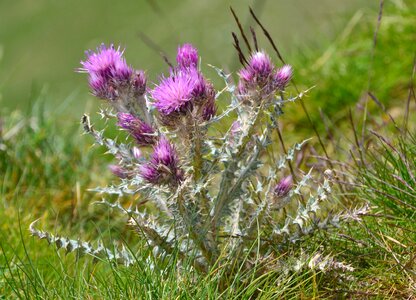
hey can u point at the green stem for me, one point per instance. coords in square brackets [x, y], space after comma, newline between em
[196, 139]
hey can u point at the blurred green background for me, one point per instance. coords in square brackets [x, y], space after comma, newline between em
[42, 41]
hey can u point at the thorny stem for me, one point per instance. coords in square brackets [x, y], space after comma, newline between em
[253, 224]
[225, 192]
[192, 137]
[198, 164]
[193, 229]
[196, 138]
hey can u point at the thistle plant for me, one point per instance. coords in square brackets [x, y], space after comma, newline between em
[204, 195]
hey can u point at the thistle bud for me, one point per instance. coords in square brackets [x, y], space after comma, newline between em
[261, 66]
[283, 188]
[260, 76]
[143, 133]
[118, 171]
[163, 166]
[187, 56]
[283, 76]
[257, 73]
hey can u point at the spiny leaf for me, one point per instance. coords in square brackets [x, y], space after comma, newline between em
[122, 256]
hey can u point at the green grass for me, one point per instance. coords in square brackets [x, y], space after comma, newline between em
[47, 166]
[390, 180]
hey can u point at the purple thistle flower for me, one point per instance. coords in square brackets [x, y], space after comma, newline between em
[187, 56]
[283, 187]
[163, 165]
[261, 65]
[141, 131]
[107, 62]
[118, 171]
[150, 173]
[283, 76]
[176, 92]
[107, 71]
[260, 75]
[185, 92]
[258, 70]
[164, 153]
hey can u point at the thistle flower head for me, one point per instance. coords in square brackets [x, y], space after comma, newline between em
[260, 65]
[258, 70]
[283, 187]
[150, 173]
[260, 75]
[143, 133]
[176, 92]
[107, 70]
[164, 153]
[185, 92]
[187, 56]
[107, 62]
[163, 167]
[283, 76]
